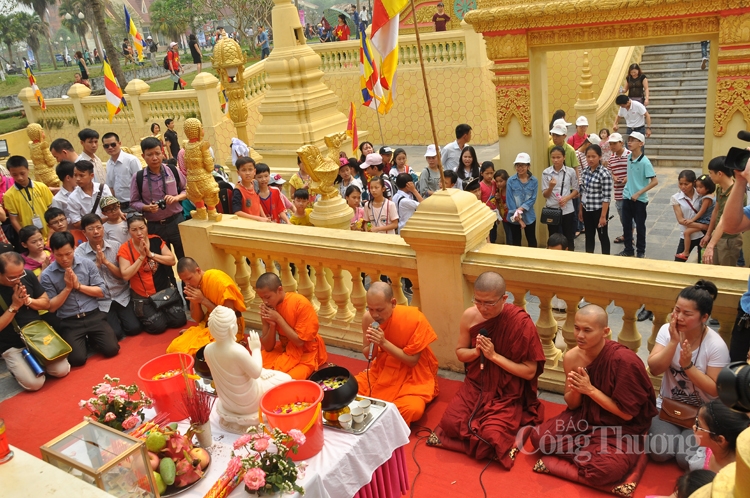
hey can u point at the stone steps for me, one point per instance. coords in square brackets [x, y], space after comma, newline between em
[649, 68]
[670, 56]
[680, 100]
[674, 91]
[667, 49]
[687, 81]
[672, 139]
[675, 161]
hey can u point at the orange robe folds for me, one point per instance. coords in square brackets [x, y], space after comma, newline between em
[299, 362]
[409, 388]
[218, 287]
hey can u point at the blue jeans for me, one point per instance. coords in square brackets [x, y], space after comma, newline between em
[264, 52]
[704, 49]
[634, 211]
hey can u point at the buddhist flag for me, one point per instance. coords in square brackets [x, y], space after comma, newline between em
[223, 100]
[369, 82]
[351, 128]
[385, 19]
[138, 39]
[113, 92]
[34, 87]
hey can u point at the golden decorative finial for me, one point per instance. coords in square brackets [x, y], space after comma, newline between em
[585, 93]
[44, 161]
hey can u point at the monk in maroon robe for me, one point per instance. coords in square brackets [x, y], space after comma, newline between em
[499, 394]
[611, 401]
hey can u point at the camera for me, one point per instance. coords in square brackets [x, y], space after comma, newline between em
[736, 157]
[733, 385]
[162, 204]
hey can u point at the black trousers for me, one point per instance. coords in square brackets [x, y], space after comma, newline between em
[123, 321]
[530, 232]
[567, 227]
[591, 223]
[170, 233]
[740, 342]
[92, 327]
[634, 211]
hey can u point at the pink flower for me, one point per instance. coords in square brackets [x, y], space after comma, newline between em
[119, 393]
[298, 436]
[130, 422]
[261, 444]
[242, 441]
[82, 403]
[255, 479]
[109, 417]
[102, 389]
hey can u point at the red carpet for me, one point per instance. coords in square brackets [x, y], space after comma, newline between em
[32, 419]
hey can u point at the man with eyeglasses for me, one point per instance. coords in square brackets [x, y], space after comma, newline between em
[23, 297]
[499, 344]
[404, 368]
[611, 402]
[121, 167]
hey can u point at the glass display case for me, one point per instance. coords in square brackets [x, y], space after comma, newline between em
[109, 459]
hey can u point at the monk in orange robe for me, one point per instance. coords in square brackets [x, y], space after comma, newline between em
[205, 289]
[300, 350]
[404, 368]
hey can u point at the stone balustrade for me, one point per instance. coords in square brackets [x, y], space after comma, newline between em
[180, 106]
[255, 82]
[442, 252]
[338, 56]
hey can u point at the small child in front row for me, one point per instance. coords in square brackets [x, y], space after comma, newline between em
[699, 223]
[37, 256]
[115, 226]
[270, 198]
[353, 198]
[301, 213]
[501, 181]
[245, 200]
[451, 178]
[380, 212]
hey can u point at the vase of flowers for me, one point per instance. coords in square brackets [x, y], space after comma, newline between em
[268, 468]
[118, 406]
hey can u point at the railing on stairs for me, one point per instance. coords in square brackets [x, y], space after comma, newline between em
[606, 109]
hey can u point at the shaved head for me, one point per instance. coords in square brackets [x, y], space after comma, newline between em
[490, 281]
[597, 313]
[268, 281]
[380, 289]
[186, 264]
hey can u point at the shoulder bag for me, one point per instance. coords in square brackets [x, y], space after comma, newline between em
[41, 339]
[678, 412]
[98, 198]
[553, 215]
[164, 298]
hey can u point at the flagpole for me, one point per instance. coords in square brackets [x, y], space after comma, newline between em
[382, 140]
[427, 93]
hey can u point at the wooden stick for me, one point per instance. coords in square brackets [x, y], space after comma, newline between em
[427, 93]
[377, 112]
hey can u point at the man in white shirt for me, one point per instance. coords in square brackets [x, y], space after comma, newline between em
[65, 172]
[87, 195]
[90, 142]
[407, 198]
[636, 116]
[121, 167]
[450, 156]
[62, 150]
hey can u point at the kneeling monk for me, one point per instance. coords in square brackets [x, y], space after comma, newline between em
[500, 346]
[205, 289]
[611, 402]
[300, 350]
[404, 369]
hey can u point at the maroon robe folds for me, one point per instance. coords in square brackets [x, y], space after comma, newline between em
[602, 446]
[497, 402]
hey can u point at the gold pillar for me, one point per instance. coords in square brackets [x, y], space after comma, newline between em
[586, 103]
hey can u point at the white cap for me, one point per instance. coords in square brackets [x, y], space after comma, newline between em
[593, 138]
[560, 122]
[559, 130]
[148, 37]
[615, 137]
[638, 136]
[371, 160]
[582, 121]
[172, 44]
[522, 158]
[431, 152]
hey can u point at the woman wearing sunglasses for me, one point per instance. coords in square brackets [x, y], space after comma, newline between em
[716, 429]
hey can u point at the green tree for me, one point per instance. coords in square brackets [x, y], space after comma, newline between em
[34, 30]
[11, 32]
[40, 7]
[98, 11]
[171, 18]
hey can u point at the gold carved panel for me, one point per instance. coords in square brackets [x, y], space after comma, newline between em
[735, 29]
[507, 47]
[513, 101]
[732, 95]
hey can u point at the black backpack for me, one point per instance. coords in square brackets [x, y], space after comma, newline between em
[225, 197]
[166, 62]
[139, 180]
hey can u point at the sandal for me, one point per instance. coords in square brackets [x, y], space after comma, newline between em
[619, 240]
[681, 257]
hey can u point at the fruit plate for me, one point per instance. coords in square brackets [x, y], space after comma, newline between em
[174, 490]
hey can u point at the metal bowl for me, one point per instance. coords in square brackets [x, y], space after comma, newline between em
[336, 399]
[201, 367]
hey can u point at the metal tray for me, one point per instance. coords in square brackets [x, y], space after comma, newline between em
[377, 407]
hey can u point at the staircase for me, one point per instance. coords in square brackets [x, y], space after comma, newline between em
[677, 104]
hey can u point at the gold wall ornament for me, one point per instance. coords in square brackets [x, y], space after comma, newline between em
[507, 47]
[44, 161]
[735, 29]
[202, 189]
[229, 61]
[322, 170]
[732, 95]
[513, 101]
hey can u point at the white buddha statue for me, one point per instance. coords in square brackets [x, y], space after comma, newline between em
[238, 375]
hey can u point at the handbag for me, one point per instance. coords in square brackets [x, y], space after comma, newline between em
[166, 298]
[41, 339]
[553, 215]
[678, 412]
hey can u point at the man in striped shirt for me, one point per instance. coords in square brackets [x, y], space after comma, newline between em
[618, 166]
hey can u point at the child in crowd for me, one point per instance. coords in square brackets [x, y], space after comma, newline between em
[472, 185]
[300, 179]
[58, 222]
[353, 196]
[705, 187]
[65, 173]
[400, 166]
[245, 200]
[486, 172]
[604, 144]
[301, 213]
[346, 180]
[451, 179]
[37, 256]
[500, 177]
[429, 180]
[115, 226]
[380, 212]
[407, 198]
[21, 210]
[278, 182]
[87, 195]
[270, 198]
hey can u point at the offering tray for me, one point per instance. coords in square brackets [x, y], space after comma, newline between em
[377, 407]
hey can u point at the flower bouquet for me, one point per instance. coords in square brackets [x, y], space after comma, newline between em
[268, 469]
[115, 405]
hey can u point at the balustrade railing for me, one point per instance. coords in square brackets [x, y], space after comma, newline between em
[179, 106]
[255, 81]
[338, 56]
[59, 111]
[95, 109]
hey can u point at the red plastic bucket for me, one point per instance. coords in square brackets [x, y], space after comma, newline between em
[309, 420]
[167, 393]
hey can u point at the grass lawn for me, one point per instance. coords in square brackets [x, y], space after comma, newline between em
[12, 124]
[14, 83]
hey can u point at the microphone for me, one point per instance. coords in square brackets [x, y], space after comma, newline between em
[744, 136]
[373, 325]
[483, 333]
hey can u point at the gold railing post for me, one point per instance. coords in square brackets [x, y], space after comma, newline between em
[661, 315]
[287, 279]
[327, 309]
[306, 287]
[546, 327]
[571, 307]
[344, 309]
[629, 335]
[242, 277]
[358, 297]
